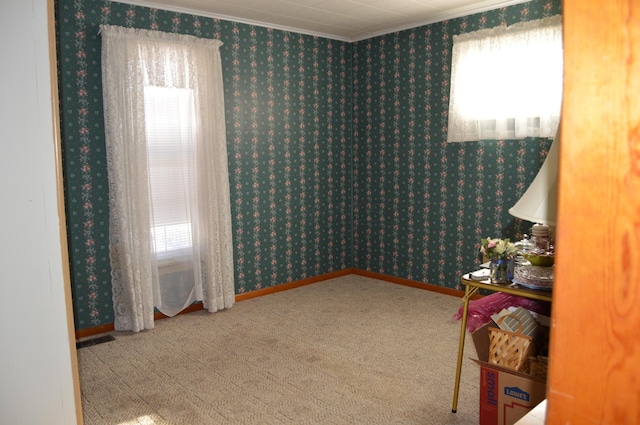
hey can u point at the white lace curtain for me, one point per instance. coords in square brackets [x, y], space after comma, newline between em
[506, 82]
[169, 205]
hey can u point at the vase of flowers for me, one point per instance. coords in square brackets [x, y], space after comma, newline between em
[500, 253]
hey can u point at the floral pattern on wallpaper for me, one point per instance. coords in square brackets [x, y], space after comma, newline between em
[288, 116]
[421, 205]
[336, 152]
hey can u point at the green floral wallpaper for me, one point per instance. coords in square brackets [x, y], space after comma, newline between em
[337, 153]
[421, 205]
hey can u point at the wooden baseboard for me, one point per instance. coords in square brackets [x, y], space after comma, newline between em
[291, 285]
[413, 283]
[197, 306]
[96, 330]
[83, 333]
[109, 327]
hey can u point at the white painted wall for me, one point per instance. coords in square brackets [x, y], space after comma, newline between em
[36, 375]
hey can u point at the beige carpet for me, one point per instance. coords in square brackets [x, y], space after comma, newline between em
[351, 350]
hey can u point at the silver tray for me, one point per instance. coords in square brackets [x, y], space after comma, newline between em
[547, 286]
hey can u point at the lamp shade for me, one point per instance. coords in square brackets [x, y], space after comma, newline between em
[539, 202]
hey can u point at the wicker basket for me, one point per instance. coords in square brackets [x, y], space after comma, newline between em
[510, 349]
[538, 366]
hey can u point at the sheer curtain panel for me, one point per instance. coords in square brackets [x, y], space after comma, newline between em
[506, 82]
[169, 205]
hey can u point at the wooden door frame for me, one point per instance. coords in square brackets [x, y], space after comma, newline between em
[594, 373]
[64, 250]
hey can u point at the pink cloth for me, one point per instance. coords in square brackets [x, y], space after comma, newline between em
[480, 310]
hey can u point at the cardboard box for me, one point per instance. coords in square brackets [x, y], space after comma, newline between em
[505, 395]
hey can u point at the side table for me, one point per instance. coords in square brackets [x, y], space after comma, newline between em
[471, 287]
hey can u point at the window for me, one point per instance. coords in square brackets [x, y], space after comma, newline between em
[170, 131]
[170, 235]
[506, 82]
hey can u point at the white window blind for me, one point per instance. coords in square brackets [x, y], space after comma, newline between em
[506, 82]
[170, 131]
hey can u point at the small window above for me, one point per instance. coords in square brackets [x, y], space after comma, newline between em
[506, 82]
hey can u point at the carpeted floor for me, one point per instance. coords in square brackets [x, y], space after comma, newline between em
[351, 350]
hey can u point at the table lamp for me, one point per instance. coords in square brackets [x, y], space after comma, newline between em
[539, 205]
[539, 202]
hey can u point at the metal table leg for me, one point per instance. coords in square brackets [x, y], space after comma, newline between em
[469, 291]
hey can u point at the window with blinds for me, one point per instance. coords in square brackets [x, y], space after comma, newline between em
[170, 131]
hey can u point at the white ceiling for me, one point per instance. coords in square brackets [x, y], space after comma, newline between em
[346, 20]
